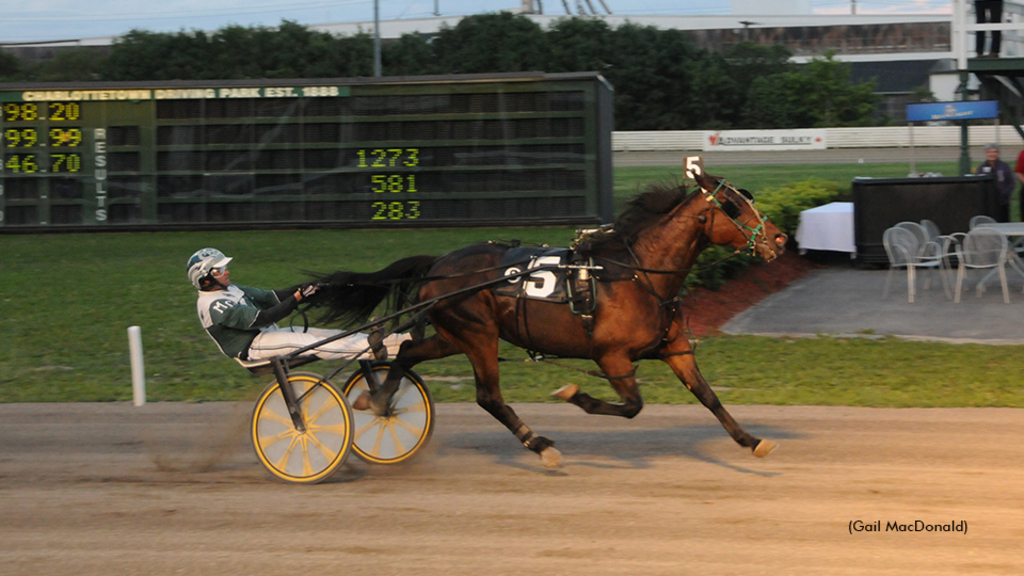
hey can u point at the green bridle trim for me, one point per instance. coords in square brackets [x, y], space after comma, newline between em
[743, 228]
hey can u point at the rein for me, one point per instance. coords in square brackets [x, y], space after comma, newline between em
[538, 357]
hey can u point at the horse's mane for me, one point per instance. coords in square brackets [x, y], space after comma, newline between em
[643, 210]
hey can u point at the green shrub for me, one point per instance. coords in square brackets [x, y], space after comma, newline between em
[783, 205]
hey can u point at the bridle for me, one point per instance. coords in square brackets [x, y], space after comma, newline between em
[755, 235]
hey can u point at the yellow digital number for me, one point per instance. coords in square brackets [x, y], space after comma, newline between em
[388, 158]
[70, 137]
[27, 112]
[65, 163]
[60, 111]
[381, 157]
[396, 210]
[394, 183]
[22, 164]
[413, 157]
[395, 154]
[24, 138]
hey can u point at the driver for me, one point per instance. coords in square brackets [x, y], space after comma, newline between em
[241, 320]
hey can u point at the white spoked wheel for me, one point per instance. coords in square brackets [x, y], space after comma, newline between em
[302, 457]
[407, 426]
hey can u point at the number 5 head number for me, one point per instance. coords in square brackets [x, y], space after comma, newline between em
[694, 166]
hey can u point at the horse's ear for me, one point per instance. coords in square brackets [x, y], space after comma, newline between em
[709, 182]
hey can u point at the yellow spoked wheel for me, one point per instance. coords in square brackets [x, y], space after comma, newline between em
[407, 426]
[302, 457]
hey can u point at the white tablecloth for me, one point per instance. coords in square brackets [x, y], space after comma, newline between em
[828, 227]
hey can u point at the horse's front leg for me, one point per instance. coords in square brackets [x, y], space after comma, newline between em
[678, 354]
[482, 352]
[620, 373]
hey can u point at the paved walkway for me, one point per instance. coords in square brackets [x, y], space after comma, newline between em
[845, 300]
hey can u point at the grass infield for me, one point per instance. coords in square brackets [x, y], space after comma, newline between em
[69, 298]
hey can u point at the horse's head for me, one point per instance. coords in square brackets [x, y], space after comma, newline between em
[730, 218]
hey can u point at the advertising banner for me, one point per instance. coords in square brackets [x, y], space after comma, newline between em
[768, 140]
[952, 111]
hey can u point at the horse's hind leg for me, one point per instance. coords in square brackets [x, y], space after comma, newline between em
[619, 372]
[679, 356]
[411, 353]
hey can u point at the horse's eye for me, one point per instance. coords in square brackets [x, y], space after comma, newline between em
[731, 209]
[746, 194]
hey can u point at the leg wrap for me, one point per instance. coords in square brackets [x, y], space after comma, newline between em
[531, 440]
[524, 434]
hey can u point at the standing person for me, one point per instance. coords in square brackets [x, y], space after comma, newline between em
[1019, 171]
[241, 320]
[988, 12]
[1005, 181]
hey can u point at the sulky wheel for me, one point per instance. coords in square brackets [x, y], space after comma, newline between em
[399, 434]
[302, 457]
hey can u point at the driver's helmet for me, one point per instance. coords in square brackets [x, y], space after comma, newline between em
[200, 265]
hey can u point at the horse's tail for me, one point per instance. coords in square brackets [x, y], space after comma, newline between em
[350, 298]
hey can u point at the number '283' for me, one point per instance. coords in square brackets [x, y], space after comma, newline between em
[409, 210]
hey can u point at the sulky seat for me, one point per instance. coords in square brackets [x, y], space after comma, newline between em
[264, 366]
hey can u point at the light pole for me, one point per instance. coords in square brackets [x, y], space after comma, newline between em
[376, 38]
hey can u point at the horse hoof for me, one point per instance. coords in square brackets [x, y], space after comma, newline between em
[550, 457]
[764, 448]
[363, 402]
[566, 392]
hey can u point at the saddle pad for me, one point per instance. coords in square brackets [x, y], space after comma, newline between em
[546, 284]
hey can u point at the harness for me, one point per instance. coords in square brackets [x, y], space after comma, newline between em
[731, 211]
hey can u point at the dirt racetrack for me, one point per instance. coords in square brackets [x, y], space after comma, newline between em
[174, 488]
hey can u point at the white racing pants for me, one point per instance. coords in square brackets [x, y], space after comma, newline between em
[280, 341]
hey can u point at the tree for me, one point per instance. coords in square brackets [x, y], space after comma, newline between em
[70, 65]
[579, 45]
[500, 42]
[10, 67]
[817, 95]
[412, 55]
[142, 55]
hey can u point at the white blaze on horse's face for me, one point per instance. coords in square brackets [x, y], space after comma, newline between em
[754, 229]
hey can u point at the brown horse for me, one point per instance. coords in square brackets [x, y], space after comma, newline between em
[639, 266]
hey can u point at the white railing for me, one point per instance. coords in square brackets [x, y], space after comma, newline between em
[877, 137]
[964, 26]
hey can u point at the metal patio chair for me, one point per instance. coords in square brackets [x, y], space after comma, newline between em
[982, 249]
[932, 228]
[981, 220]
[904, 251]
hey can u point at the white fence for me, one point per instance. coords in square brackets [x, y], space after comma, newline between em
[877, 137]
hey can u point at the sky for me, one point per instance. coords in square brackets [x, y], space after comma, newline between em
[42, 20]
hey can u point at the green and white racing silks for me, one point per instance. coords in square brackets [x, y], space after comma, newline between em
[228, 316]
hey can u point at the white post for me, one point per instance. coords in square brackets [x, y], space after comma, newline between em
[913, 165]
[138, 367]
[959, 34]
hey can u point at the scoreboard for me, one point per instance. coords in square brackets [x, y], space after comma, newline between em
[525, 148]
